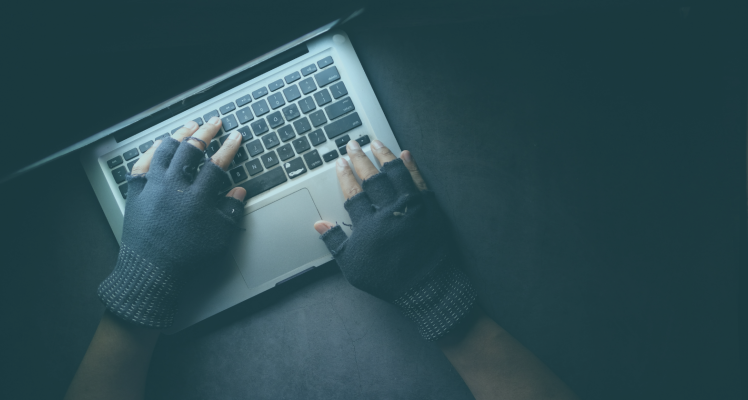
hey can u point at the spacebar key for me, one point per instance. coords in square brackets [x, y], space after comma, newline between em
[342, 126]
[264, 182]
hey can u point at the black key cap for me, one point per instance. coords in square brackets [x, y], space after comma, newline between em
[260, 92]
[119, 174]
[269, 159]
[324, 62]
[330, 156]
[259, 127]
[302, 126]
[255, 147]
[308, 69]
[208, 116]
[276, 100]
[317, 118]
[273, 86]
[338, 90]
[227, 108]
[145, 146]
[291, 112]
[245, 115]
[270, 141]
[212, 148]
[295, 167]
[162, 137]
[223, 139]
[342, 125]
[341, 141]
[260, 108]
[130, 154]
[131, 164]
[275, 119]
[241, 156]
[292, 77]
[301, 144]
[115, 161]
[327, 76]
[285, 152]
[219, 133]
[229, 122]
[123, 190]
[198, 121]
[292, 93]
[307, 104]
[286, 133]
[307, 85]
[246, 99]
[254, 167]
[312, 159]
[238, 174]
[264, 182]
[246, 134]
[339, 108]
[363, 140]
[343, 150]
[322, 97]
[317, 137]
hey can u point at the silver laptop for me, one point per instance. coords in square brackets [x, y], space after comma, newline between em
[295, 119]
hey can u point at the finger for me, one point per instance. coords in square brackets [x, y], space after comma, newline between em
[361, 163]
[206, 133]
[322, 226]
[238, 193]
[348, 183]
[144, 164]
[228, 150]
[382, 153]
[413, 168]
[187, 130]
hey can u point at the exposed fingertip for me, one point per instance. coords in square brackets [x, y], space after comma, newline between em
[376, 144]
[322, 226]
[190, 125]
[405, 155]
[341, 163]
[214, 121]
[238, 193]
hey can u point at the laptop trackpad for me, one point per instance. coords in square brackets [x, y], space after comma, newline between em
[279, 238]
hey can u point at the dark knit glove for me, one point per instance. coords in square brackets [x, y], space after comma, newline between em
[174, 223]
[401, 251]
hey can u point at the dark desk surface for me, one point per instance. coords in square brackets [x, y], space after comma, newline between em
[592, 165]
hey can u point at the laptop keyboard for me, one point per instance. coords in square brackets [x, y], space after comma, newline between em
[280, 124]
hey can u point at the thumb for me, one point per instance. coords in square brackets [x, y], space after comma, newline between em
[322, 226]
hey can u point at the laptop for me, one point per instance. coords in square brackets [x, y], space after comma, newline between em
[296, 108]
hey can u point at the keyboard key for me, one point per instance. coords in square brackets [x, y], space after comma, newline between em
[342, 125]
[275, 119]
[327, 76]
[317, 137]
[269, 159]
[246, 99]
[276, 100]
[339, 108]
[270, 141]
[295, 167]
[324, 62]
[273, 86]
[119, 174]
[223, 139]
[260, 108]
[227, 108]
[229, 122]
[286, 133]
[308, 69]
[255, 147]
[238, 174]
[301, 144]
[114, 162]
[342, 141]
[212, 148]
[198, 121]
[330, 156]
[246, 134]
[264, 182]
[363, 140]
[292, 77]
[176, 129]
[338, 90]
[131, 164]
[259, 127]
[254, 167]
[130, 154]
[292, 93]
[312, 159]
[343, 150]
[260, 92]
[219, 133]
[322, 97]
[241, 156]
[317, 118]
[285, 152]
[162, 137]
[307, 104]
[307, 85]
[245, 115]
[208, 116]
[302, 126]
[123, 190]
[145, 146]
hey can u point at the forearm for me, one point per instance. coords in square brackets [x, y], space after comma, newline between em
[494, 365]
[116, 362]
